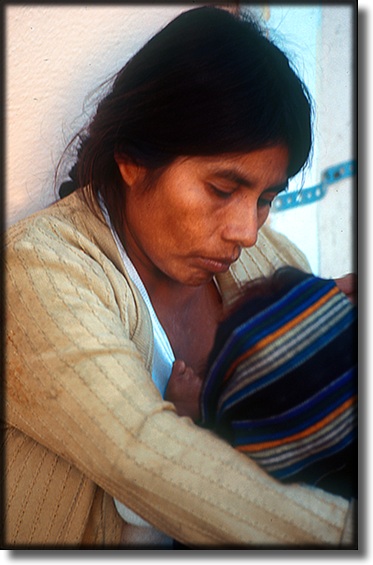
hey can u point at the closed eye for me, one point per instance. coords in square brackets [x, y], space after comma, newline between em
[220, 192]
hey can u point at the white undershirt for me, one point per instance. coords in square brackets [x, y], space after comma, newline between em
[163, 357]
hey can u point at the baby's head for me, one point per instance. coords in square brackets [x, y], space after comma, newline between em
[286, 353]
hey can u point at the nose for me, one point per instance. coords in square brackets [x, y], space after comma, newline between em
[242, 226]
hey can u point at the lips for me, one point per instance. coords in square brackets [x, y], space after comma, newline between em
[216, 265]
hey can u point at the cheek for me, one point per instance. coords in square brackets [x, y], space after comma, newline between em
[165, 227]
[185, 229]
[187, 217]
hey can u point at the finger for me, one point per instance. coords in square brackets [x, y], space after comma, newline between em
[179, 366]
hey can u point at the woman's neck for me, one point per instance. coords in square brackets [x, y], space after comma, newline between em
[163, 290]
[159, 286]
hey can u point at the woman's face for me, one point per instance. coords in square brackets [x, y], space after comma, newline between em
[203, 210]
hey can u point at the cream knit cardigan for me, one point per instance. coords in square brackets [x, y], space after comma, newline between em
[85, 423]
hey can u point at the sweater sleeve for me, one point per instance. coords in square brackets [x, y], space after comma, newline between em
[78, 384]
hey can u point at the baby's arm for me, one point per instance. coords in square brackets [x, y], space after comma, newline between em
[183, 390]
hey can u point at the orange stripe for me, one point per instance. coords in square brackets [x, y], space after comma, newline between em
[305, 433]
[281, 331]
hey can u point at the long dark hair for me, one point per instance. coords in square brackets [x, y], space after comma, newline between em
[209, 83]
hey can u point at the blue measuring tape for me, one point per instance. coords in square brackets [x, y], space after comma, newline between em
[314, 193]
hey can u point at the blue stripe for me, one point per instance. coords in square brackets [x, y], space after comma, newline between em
[284, 310]
[296, 451]
[241, 341]
[244, 437]
[289, 365]
[296, 467]
[316, 407]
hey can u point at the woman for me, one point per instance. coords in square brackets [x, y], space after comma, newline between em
[177, 171]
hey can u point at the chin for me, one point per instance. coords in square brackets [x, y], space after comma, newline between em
[189, 277]
[198, 279]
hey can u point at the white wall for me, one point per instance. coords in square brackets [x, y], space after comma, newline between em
[320, 40]
[55, 57]
[337, 222]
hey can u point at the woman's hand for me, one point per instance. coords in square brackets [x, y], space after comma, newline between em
[183, 390]
[348, 285]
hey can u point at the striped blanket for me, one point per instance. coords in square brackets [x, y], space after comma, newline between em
[282, 381]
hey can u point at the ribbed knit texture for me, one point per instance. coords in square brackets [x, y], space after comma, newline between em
[84, 418]
[282, 382]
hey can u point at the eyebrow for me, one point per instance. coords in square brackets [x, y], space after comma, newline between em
[238, 179]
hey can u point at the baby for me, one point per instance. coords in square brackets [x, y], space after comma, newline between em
[281, 381]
